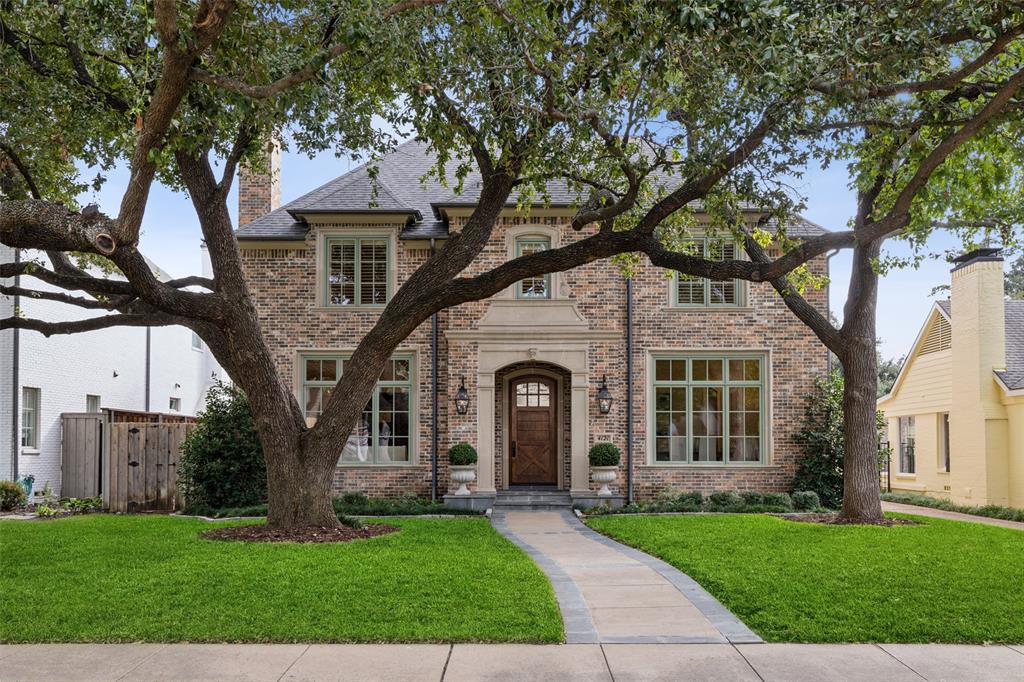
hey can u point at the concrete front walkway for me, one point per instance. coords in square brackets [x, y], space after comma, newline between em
[952, 516]
[613, 594]
[512, 662]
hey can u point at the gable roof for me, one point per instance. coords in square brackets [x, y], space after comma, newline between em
[402, 185]
[1012, 378]
[940, 309]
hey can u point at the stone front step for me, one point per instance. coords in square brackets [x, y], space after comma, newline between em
[521, 500]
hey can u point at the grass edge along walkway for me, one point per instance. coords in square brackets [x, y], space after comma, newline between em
[106, 578]
[941, 581]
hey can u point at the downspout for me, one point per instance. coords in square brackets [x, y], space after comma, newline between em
[15, 393]
[434, 395]
[629, 390]
[828, 303]
[149, 350]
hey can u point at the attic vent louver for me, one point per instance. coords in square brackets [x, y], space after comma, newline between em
[939, 337]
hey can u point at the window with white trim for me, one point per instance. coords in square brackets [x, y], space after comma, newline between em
[709, 410]
[383, 434]
[907, 445]
[700, 292]
[174, 404]
[197, 341]
[356, 271]
[944, 442]
[92, 403]
[30, 418]
[538, 287]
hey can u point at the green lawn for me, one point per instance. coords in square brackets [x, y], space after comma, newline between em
[943, 581]
[103, 578]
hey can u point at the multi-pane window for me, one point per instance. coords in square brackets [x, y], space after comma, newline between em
[709, 410]
[92, 403]
[533, 287]
[383, 433]
[357, 271]
[693, 291]
[30, 418]
[533, 394]
[907, 464]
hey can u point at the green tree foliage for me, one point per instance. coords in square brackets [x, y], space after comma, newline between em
[1015, 280]
[820, 467]
[222, 460]
[888, 370]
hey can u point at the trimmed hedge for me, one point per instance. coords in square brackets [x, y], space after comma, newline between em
[992, 511]
[349, 504]
[746, 502]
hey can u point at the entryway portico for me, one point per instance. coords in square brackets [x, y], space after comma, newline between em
[532, 347]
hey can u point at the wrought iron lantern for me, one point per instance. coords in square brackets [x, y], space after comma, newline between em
[604, 397]
[462, 398]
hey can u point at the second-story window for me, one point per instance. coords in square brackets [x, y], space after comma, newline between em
[533, 287]
[696, 292]
[357, 271]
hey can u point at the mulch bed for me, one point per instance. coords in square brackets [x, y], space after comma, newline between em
[306, 534]
[835, 520]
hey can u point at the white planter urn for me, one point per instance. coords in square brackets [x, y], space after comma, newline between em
[604, 476]
[462, 475]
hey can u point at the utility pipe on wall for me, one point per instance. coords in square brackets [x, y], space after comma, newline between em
[629, 390]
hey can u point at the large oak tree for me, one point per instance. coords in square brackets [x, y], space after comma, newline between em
[645, 107]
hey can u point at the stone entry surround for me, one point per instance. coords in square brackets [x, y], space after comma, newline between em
[612, 594]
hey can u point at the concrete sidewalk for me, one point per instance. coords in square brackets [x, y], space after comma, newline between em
[609, 593]
[451, 663]
[952, 516]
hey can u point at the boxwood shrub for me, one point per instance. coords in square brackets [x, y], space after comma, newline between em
[604, 455]
[461, 454]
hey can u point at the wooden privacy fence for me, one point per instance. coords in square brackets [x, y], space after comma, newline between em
[143, 472]
[133, 465]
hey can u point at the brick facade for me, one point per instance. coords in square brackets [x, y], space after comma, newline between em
[283, 280]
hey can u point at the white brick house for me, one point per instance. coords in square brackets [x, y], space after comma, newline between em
[164, 369]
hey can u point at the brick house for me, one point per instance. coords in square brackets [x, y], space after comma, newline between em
[719, 371]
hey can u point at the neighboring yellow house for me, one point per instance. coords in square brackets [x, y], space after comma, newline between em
[956, 411]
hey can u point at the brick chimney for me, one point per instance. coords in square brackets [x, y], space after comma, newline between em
[259, 186]
[978, 417]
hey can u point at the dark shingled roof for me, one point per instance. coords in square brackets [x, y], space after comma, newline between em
[1013, 377]
[399, 188]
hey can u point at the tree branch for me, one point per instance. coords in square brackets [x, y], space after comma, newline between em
[90, 324]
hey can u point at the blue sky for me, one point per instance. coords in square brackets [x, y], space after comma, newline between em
[171, 238]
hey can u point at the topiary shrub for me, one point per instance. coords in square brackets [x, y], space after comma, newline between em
[724, 502]
[222, 459]
[12, 495]
[461, 454]
[604, 455]
[805, 500]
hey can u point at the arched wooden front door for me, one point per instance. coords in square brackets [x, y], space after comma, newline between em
[533, 450]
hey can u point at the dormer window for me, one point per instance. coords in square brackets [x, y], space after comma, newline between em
[699, 292]
[538, 287]
[357, 271]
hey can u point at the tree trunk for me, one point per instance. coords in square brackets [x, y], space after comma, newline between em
[861, 501]
[298, 493]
